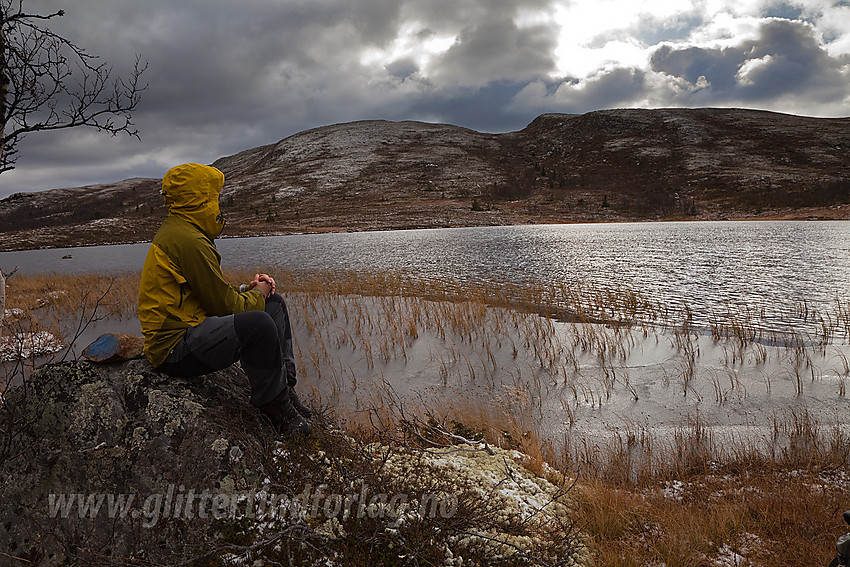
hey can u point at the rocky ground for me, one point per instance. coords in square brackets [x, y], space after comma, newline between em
[651, 392]
[118, 465]
[606, 166]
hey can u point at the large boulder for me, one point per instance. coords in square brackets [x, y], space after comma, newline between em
[117, 464]
[96, 456]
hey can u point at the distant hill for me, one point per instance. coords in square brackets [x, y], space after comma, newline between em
[612, 165]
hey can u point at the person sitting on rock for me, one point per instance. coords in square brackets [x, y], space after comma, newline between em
[195, 323]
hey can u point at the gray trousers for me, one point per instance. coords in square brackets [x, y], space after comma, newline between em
[260, 340]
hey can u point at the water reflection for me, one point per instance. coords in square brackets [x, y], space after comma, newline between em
[708, 265]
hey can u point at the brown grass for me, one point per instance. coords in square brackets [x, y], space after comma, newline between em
[763, 516]
[644, 501]
[66, 295]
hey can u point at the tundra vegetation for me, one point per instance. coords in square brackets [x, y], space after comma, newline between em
[408, 361]
[603, 166]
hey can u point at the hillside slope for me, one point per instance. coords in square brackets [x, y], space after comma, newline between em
[608, 165]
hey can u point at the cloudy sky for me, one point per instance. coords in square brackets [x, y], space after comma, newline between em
[228, 75]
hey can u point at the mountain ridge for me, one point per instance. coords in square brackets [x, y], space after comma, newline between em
[602, 166]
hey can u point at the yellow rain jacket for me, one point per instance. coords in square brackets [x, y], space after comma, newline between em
[181, 282]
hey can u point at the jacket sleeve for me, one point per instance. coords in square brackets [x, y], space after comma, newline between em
[201, 267]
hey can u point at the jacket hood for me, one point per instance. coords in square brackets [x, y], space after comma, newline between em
[191, 191]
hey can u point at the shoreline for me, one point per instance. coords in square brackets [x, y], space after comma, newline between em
[841, 213]
[635, 377]
[483, 369]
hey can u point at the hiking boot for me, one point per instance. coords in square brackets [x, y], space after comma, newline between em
[303, 410]
[283, 416]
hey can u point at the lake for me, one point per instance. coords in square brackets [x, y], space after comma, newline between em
[708, 265]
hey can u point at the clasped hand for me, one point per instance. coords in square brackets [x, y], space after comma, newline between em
[264, 283]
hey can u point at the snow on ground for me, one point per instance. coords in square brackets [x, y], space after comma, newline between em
[16, 347]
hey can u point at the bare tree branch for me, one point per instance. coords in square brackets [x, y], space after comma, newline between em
[47, 83]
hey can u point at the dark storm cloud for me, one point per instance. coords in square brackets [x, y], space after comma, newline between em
[486, 109]
[611, 88]
[718, 66]
[446, 14]
[783, 67]
[275, 62]
[402, 68]
[783, 10]
[226, 76]
[498, 50]
[231, 61]
[223, 77]
[490, 46]
[785, 58]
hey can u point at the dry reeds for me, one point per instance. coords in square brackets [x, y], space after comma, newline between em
[498, 359]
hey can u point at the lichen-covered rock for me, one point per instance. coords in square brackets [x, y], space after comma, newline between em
[121, 465]
[99, 454]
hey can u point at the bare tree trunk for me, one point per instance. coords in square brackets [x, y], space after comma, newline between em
[2, 297]
[4, 93]
[4, 88]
